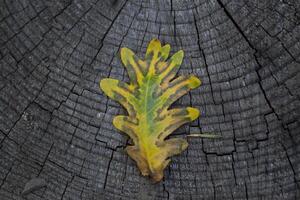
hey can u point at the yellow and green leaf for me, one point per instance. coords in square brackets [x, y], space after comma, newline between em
[147, 98]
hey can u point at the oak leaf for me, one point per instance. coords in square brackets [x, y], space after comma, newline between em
[152, 89]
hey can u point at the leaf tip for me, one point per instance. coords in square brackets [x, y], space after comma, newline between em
[106, 84]
[193, 113]
[103, 83]
[194, 82]
[178, 57]
[153, 47]
[117, 122]
[165, 50]
[155, 42]
[126, 54]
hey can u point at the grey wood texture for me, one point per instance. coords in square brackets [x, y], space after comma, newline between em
[56, 124]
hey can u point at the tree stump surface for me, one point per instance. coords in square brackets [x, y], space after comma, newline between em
[56, 124]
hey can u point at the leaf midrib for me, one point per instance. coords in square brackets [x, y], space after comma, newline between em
[146, 98]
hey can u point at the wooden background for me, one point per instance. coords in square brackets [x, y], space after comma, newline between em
[56, 124]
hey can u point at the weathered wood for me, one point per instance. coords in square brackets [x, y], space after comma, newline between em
[33, 184]
[56, 124]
